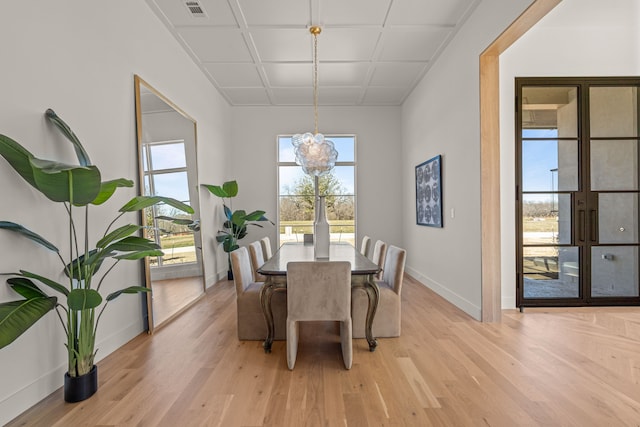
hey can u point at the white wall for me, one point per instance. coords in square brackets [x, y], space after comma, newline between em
[378, 155]
[80, 61]
[442, 116]
[577, 38]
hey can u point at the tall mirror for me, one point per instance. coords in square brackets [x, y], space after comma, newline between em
[168, 167]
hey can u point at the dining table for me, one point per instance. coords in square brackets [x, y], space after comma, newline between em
[363, 273]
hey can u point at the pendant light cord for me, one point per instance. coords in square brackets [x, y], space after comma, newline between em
[315, 31]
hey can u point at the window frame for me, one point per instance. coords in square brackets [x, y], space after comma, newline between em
[338, 163]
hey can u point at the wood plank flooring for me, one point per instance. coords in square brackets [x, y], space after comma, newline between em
[551, 367]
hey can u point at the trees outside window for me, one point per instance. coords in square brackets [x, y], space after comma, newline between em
[296, 193]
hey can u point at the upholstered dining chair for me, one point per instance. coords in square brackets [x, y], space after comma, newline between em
[250, 318]
[266, 248]
[386, 323]
[365, 246]
[319, 291]
[378, 256]
[257, 259]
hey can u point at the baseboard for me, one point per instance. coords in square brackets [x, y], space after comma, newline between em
[455, 299]
[508, 303]
[18, 402]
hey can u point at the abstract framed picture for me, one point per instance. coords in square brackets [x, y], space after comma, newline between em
[429, 192]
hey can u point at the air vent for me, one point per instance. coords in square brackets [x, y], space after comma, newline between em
[195, 9]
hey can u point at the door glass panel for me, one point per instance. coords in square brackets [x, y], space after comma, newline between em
[618, 218]
[614, 165]
[549, 165]
[614, 271]
[546, 219]
[551, 272]
[613, 111]
[550, 108]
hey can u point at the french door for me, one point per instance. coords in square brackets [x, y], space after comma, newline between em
[577, 207]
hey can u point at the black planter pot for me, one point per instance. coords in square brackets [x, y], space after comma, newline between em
[77, 389]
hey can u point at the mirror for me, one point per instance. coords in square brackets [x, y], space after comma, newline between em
[168, 167]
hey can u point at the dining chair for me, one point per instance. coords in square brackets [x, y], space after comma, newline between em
[266, 248]
[257, 259]
[378, 256]
[319, 291]
[386, 322]
[250, 317]
[364, 246]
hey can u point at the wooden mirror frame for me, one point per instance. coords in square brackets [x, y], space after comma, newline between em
[142, 89]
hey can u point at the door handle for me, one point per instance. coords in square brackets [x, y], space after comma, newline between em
[593, 229]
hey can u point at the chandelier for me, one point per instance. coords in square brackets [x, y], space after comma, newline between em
[316, 155]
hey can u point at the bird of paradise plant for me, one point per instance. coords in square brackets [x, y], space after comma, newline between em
[79, 304]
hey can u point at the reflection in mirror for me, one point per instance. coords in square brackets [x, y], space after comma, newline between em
[168, 167]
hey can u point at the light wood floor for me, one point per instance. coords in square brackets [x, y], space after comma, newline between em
[170, 296]
[560, 367]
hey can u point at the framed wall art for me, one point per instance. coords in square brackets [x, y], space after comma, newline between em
[429, 192]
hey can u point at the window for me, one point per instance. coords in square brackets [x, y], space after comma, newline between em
[296, 192]
[165, 174]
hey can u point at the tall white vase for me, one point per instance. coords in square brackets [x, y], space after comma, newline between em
[321, 230]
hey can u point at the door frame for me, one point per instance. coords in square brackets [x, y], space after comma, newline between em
[491, 251]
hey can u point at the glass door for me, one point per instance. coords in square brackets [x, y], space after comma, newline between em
[577, 192]
[611, 217]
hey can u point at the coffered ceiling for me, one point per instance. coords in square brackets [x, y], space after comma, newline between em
[259, 52]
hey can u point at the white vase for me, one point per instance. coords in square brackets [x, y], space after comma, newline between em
[321, 230]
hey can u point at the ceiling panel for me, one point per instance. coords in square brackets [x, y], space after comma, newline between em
[283, 44]
[259, 52]
[429, 12]
[246, 96]
[235, 75]
[406, 44]
[354, 12]
[216, 45]
[401, 74]
[278, 13]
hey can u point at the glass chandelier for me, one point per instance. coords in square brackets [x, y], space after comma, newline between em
[316, 155]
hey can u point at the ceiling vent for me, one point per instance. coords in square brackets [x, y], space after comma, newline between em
[195, 9]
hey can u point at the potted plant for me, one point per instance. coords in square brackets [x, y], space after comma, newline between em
[79, 304]
[236, 222]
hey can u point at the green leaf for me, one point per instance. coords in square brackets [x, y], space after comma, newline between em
[139, 255]
[256, 216]
[53, 285]
[229, 245]
[53, 179]
[216, 190]
[227, 212]
[177, 221]
[231, 188]
[82, 155]
[141, 202]
[133, 243]
[77, 266]
[18, 157]
[107, 189]
[117, 234]
[83, 299]
[129, 290]
[239, 217]
[25, 287]
[17, 228]
[18, 316]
